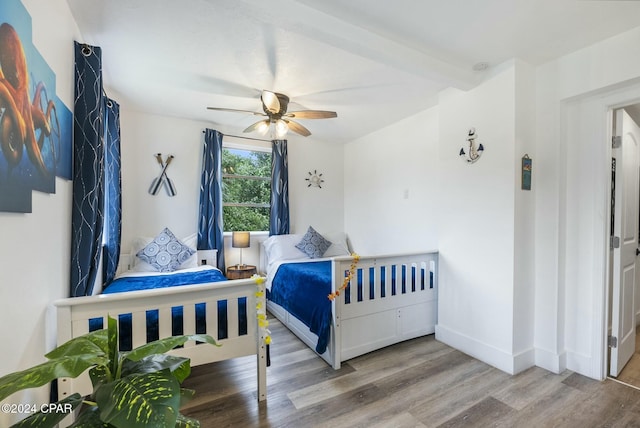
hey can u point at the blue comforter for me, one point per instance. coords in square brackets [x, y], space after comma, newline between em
[302, 289]
[148, 282]
[135, 283]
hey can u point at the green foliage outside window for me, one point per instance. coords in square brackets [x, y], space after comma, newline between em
[246, 190]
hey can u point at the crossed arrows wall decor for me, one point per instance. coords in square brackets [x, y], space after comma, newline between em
[163, 178]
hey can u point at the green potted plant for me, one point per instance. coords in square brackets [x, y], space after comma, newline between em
[139, 388]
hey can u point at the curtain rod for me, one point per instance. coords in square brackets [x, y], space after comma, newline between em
[246, 138]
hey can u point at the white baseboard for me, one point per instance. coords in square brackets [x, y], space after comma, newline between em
[581, 363]
[552, 361]
[491, 355]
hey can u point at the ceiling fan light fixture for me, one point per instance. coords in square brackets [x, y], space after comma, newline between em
[281, 128]
[263, 127]
[278, 121]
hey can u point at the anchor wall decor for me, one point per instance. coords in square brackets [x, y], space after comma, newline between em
[163, 178]
[472, 154]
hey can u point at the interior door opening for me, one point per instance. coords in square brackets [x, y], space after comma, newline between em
[624, 280]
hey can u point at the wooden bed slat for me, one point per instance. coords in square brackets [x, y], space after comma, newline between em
[164, 321]
[212, 319]
[232, 318]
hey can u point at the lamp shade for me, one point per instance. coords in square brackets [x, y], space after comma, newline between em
[240, 240]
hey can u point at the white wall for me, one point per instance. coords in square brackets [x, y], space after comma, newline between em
[391, 187]
[524, 233]
[477, 230]
[143, 135]
[34, 257]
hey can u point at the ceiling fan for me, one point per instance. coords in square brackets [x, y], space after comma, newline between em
[275, 106]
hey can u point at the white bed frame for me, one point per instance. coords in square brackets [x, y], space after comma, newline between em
[73, 315]
[364, 326]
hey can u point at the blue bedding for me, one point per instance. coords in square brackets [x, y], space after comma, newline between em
[302, 289]
[148, 282]
[135, 283]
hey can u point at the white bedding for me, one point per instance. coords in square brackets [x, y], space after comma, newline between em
[279, 249]
[131, 273]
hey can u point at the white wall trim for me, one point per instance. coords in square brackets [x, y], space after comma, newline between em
[491, 355]
[552, 361]
[582, 363]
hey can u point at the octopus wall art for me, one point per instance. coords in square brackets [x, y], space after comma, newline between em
[35, 126]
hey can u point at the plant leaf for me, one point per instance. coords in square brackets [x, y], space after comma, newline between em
[99, 375]
[54, 414]
[140, 400]
[163, 345]
[90, 418]
[90, 343]
[186, 395]
[179, 366]
[70, 366]
[186, 422]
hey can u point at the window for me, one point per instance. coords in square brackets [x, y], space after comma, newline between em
[246, 189]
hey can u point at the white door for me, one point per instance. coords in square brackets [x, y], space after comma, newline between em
[625, 232]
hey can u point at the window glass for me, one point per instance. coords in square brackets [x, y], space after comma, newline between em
[246, 189]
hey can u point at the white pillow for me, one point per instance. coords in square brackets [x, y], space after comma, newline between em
[283, 247]
[339, 245]
[191, 241]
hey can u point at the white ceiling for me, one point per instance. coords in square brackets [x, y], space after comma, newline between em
[372, 63]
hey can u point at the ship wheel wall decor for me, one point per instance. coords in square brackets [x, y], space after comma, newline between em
[314, 179]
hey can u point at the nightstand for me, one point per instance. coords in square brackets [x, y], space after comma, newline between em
[241, 271]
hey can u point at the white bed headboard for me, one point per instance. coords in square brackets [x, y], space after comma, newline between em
[204, 257]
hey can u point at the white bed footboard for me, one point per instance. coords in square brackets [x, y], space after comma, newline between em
[73, 315]
[390, 299]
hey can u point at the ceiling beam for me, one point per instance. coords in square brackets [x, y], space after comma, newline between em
[301, 19]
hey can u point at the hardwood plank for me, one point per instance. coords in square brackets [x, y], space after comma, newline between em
[531, 385]
[418, 383]
[483, 414]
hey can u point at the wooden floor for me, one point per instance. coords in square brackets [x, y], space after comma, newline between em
[631, 372]
[419, 383]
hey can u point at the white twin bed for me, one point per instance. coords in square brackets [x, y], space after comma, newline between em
[190, 300]
[389, 299]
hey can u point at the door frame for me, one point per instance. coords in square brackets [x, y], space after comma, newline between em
[621, 351]
[585, 129]
[602, 105]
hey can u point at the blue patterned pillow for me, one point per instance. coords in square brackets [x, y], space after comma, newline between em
[165, 253]
[313, 244]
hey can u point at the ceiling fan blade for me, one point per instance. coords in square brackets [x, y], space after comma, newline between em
[270, 101]
[236, 110]
[312, 114]
[297, 128]
[261, 126]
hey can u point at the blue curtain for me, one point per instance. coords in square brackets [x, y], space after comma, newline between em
[279, 215]
[113, 188]
[210, 226]
[88, 174]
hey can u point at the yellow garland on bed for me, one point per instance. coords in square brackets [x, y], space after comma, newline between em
[263, 323]
[347, 279]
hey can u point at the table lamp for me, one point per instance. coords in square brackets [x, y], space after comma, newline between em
[240, 240]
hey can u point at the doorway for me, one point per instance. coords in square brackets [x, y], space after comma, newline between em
[623, 356]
